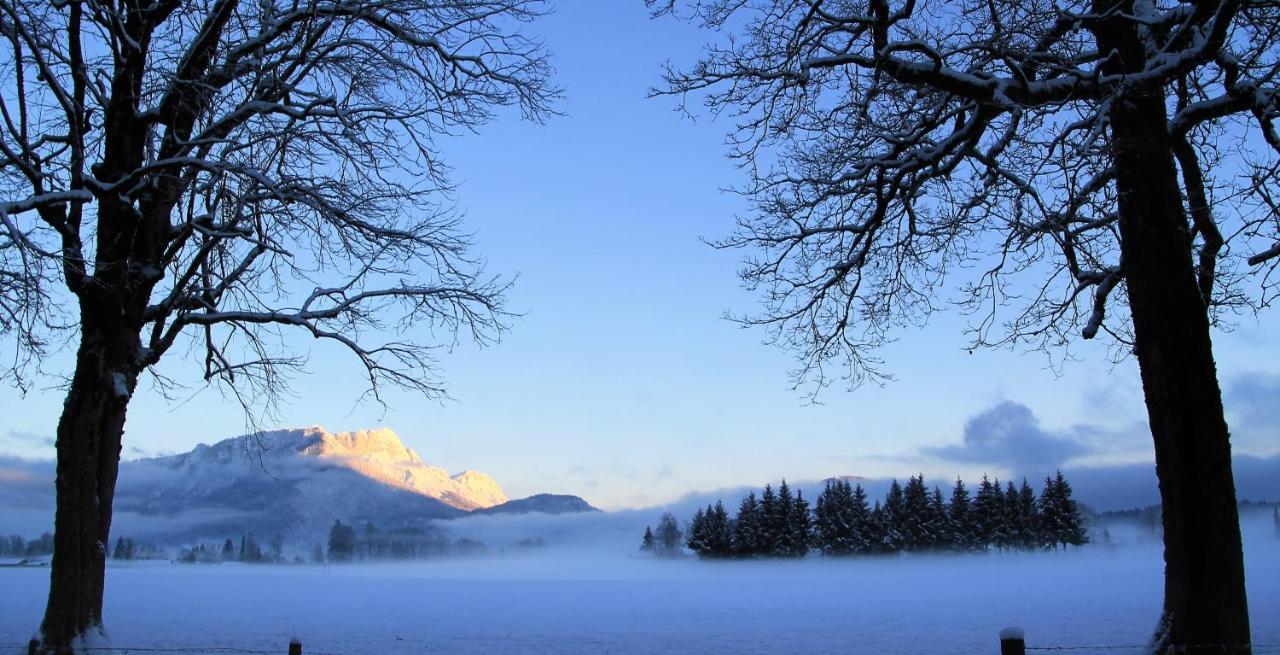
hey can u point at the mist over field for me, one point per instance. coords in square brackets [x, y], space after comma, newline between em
[586, 589]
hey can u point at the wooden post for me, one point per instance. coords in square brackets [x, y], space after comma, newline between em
[33, 646]
[1013, 641]
[295, 646]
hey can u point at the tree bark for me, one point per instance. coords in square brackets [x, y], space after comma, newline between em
[89, 436]
[1205, 606]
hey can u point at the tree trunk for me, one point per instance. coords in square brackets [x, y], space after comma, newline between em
[89, 437]
[1205, 606]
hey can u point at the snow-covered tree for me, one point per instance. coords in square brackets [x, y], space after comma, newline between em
[768, 520]
[697, 537]
[208, 177]
[914, 519]
[939, 525]
[865, 530]
[1060, 515]
[986, 514]
[1108, 167]
[784, 540]
[748, 539]
[718, 531]
[799, 526]
[891, 519]
[960, 518]
[834, 522]
[1030, 522]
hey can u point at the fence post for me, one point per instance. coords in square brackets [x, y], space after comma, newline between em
[1013, 641]
[295, 646]
[33, 646]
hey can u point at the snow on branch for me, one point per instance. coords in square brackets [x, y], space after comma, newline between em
[201, 167]
[894, 146]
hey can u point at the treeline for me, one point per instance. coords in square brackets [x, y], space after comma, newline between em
[17, 546]
[910, 518]
[128, 548]
[249, 551]
[408, 543]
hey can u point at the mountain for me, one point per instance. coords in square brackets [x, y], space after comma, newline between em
[294, 483]
[544, 503]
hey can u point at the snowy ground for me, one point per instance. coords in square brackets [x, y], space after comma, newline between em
[565, 600]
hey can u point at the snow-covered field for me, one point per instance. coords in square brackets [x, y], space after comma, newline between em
[595, 600]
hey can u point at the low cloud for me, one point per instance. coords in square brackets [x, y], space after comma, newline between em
[1009, 435]
[1252, 402]
[26, 484]
[24, 439]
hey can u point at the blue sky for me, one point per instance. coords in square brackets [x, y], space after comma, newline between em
[621, 382]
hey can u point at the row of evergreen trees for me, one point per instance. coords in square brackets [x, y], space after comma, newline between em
[911, 518]
[129, 549]
[249, 551]
[405, 543]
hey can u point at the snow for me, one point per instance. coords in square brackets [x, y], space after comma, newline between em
[119, 385]
[575, 597]
[1012, 633]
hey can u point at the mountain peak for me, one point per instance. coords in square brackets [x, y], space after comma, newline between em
[380, 444]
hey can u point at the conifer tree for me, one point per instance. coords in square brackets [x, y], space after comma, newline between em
[878, 531]
[960, 518]
[1275, 518]
[998, 525]
[719, 531]
[228, 550]
[647, 543]
[768, 510]
[783, 540]
[697, 537]
[984, 514]
[1050, 508]
[798, 526]
[913, 519]
[824, 520]
[835, 521]
[1013, 520]
[864, 538]
[1060, 516]
[939, 527]
[1029, 512]
[891, 518]
[342, 544]
[746, 528]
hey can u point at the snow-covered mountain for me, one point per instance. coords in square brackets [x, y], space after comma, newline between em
[542, 503]
[296, 483]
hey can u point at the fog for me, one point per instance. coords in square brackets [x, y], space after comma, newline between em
[587, 589]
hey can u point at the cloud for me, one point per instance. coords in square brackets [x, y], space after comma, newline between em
[1252, 402]
[24, 439]
[26, 483]
[1010, 435]
[1134, 485]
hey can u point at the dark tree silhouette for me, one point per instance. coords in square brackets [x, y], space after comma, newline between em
[212, 175]
[1108, 150]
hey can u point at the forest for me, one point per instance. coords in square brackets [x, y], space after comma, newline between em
[911, 518]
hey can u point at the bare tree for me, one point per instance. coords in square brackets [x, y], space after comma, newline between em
[1119, 154]
[216, 174]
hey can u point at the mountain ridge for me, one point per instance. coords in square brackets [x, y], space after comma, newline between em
[295, 482]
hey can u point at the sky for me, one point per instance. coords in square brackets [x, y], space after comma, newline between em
[622, 382]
